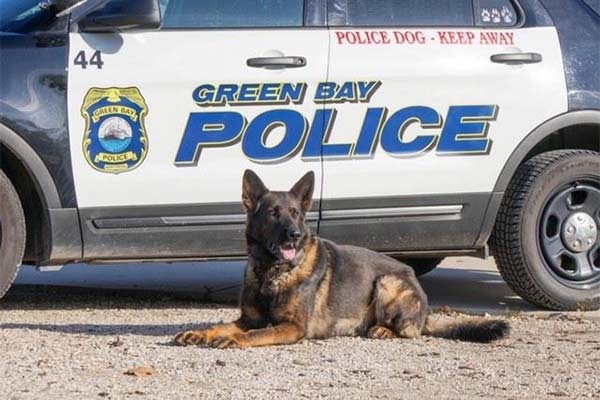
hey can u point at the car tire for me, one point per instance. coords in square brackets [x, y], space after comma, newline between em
[12, 234]
[543, 250]
[422, 266]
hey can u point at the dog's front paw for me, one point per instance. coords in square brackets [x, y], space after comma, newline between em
[234, 341]
[380, 332]
[191, 338]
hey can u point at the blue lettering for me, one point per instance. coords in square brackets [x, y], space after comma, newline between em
[269, 92]
[248, 93]
[316, 143]
[293, 92]
[203, 94]
[226, 94]
[325, 91]
[393, 132]
[365, 145]
[253, 144]
[367, 89]
[346, 92]
[210, 129]
[466, 128]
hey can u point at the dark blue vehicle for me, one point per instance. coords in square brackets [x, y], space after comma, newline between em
[435, 128]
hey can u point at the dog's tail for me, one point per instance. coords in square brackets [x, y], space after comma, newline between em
[480, 330]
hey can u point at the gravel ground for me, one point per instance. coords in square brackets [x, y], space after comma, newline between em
[61, 343]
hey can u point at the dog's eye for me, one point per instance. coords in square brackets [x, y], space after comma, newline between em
[272, 212]
[294, 212]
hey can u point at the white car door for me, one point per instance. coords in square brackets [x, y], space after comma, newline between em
[455, 95]
[163, 123]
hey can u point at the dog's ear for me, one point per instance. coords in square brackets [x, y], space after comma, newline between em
[252, 190]
[303, 190]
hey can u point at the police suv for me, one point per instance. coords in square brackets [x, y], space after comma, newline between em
[434, 128]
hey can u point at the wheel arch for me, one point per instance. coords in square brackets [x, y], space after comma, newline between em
[53, 234]
[523, 152]
[34, 166]
[585, 124]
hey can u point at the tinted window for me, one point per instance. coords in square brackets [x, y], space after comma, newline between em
[400, 12]
[122, 8]
[495, 13]
[232, 13]
[22, 16]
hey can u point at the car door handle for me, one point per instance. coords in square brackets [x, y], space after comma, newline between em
[276, 62]
[516, 58]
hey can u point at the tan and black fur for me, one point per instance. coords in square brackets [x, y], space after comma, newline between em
[326, 289]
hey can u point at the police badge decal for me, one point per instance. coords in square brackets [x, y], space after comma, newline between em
[115, 137]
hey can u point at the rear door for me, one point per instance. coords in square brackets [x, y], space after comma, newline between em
[431, 98]
[164, 123]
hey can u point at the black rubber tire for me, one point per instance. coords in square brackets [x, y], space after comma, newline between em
[422, 266]
[12, 234]
[515, 240]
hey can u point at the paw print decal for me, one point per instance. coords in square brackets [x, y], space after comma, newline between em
[507, 15]
[495, 15]
[485, 15]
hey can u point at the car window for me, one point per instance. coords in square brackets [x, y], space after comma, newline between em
[501, 13]
[22, 16]
[400, 13]
[232, 13]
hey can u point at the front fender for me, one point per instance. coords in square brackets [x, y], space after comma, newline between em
[584, 117]
[60, 234]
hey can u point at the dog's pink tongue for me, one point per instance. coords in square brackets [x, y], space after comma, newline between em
[289, 253]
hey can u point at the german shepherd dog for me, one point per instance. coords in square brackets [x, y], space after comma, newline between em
[297, 285]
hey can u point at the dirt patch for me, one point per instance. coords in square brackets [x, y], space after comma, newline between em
[68, 343]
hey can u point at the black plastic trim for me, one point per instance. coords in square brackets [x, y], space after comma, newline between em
[490, 219]
[217, 230]
[188, 231]
[65, 244]
[401, 234]
[315, 13]
[141, 15]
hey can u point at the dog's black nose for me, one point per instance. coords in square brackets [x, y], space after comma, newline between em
[294, 234]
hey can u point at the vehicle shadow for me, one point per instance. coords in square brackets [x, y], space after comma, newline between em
[472, 291]
[468, 290]
[57, 298]
[111, 330]
[41, 297]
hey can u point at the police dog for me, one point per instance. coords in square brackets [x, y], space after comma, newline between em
[298, 286]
